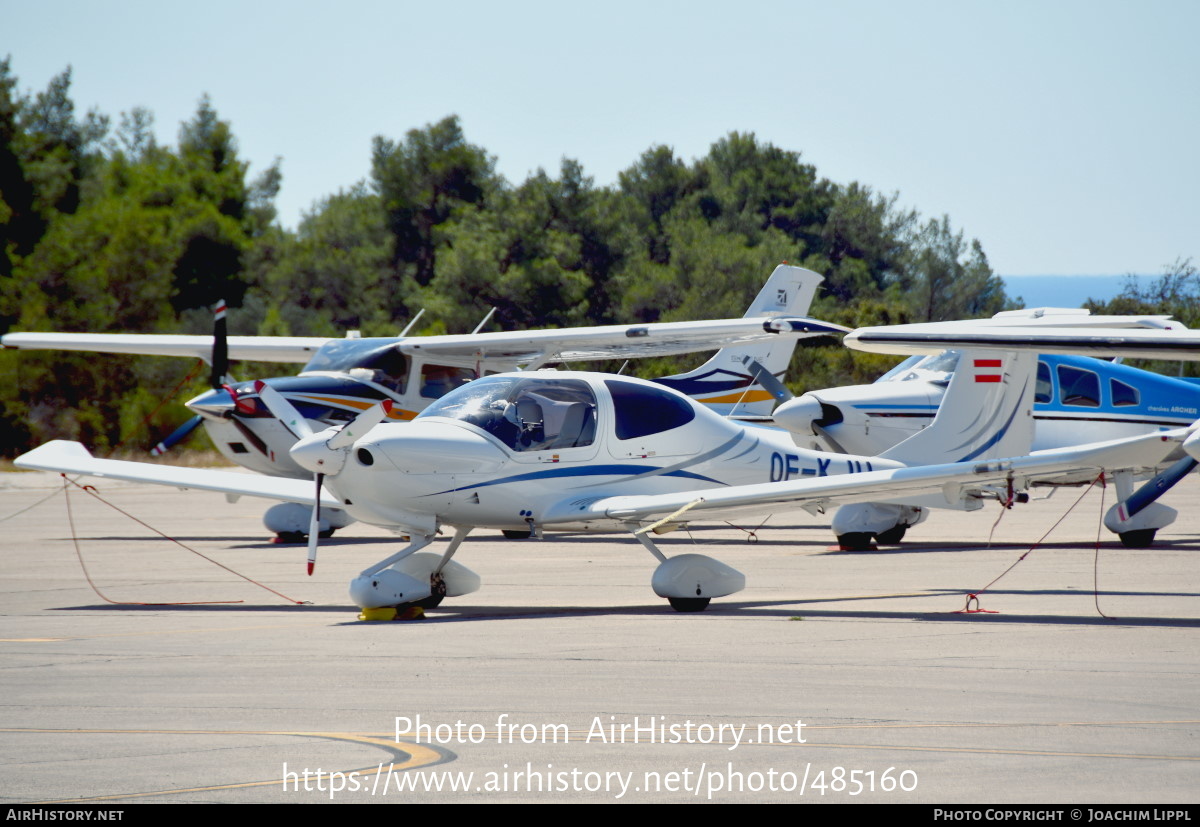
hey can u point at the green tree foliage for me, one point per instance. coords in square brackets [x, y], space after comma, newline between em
[423, 180]
[21, 224]
[950, 279]
[333, 274]
[865, 240]
[539, 254]
[151, 231]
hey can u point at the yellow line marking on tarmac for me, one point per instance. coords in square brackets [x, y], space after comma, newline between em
[418, 756]
[31, 639]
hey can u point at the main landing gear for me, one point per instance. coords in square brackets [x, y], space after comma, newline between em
[689, 581]
[859, 526]
[290, 521]
[1137, 516]
[410, 579]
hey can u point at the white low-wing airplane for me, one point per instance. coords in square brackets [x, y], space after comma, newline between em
[344, 377]
[1078, 399]
[543, 451]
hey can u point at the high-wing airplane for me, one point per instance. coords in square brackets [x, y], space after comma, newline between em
[343, 377]
[544, 451]
[1078, 399]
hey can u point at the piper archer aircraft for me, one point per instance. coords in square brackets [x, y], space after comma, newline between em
[1078, 398]
[551, 451]
[344, 377]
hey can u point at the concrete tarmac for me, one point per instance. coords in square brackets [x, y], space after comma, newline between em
[834, 677]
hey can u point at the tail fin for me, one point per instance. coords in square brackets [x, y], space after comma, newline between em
[987, 412]
[743, 379]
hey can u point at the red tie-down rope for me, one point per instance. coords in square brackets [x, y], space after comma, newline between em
[75, 539]
[145, 424]
[973, 597]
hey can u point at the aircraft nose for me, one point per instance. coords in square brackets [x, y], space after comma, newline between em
[213, 404]
[798, 415]
[314, 454]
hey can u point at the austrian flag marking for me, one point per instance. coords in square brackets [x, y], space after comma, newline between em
[988, 363]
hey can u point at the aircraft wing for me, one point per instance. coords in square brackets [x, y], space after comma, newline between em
[954, 481]
[255, 348]
[72, 458]
[537, 346]
[938, 336]
[617, 341]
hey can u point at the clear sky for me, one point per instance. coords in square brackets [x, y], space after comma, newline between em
[1063, 134]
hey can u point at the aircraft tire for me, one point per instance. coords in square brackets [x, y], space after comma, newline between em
[1142, 538]
[432, 602]
[855, 541]
[688, 604]
[892, 536]
[516, 533]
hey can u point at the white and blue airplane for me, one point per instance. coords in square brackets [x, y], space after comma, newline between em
[341, 378]
[1077, 399]
[542, 451]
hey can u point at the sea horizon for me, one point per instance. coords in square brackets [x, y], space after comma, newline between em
[1067, 290]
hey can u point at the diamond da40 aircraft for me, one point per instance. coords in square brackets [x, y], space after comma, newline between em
[545, 450]
[342, 378]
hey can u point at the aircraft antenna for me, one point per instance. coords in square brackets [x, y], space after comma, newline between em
[408, 326]
[486, 319]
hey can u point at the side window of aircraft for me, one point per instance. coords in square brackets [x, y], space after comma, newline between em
[1078, 387]
[1123, 394]
[439, 380]
[642, 411]
[525, 414]
[1044, 389]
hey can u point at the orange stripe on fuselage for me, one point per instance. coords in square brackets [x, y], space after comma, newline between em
[748, 396]
[360, 404]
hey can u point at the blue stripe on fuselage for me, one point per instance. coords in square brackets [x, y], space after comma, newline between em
[585, 471]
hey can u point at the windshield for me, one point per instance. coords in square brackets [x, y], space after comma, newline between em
[534, 414]
[378, 360]
[936, 367]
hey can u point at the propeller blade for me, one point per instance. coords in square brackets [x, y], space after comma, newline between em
[178, 435]
[314, 528]
[359, 426]
[833, 444]
[283, 410]
[220, 351]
